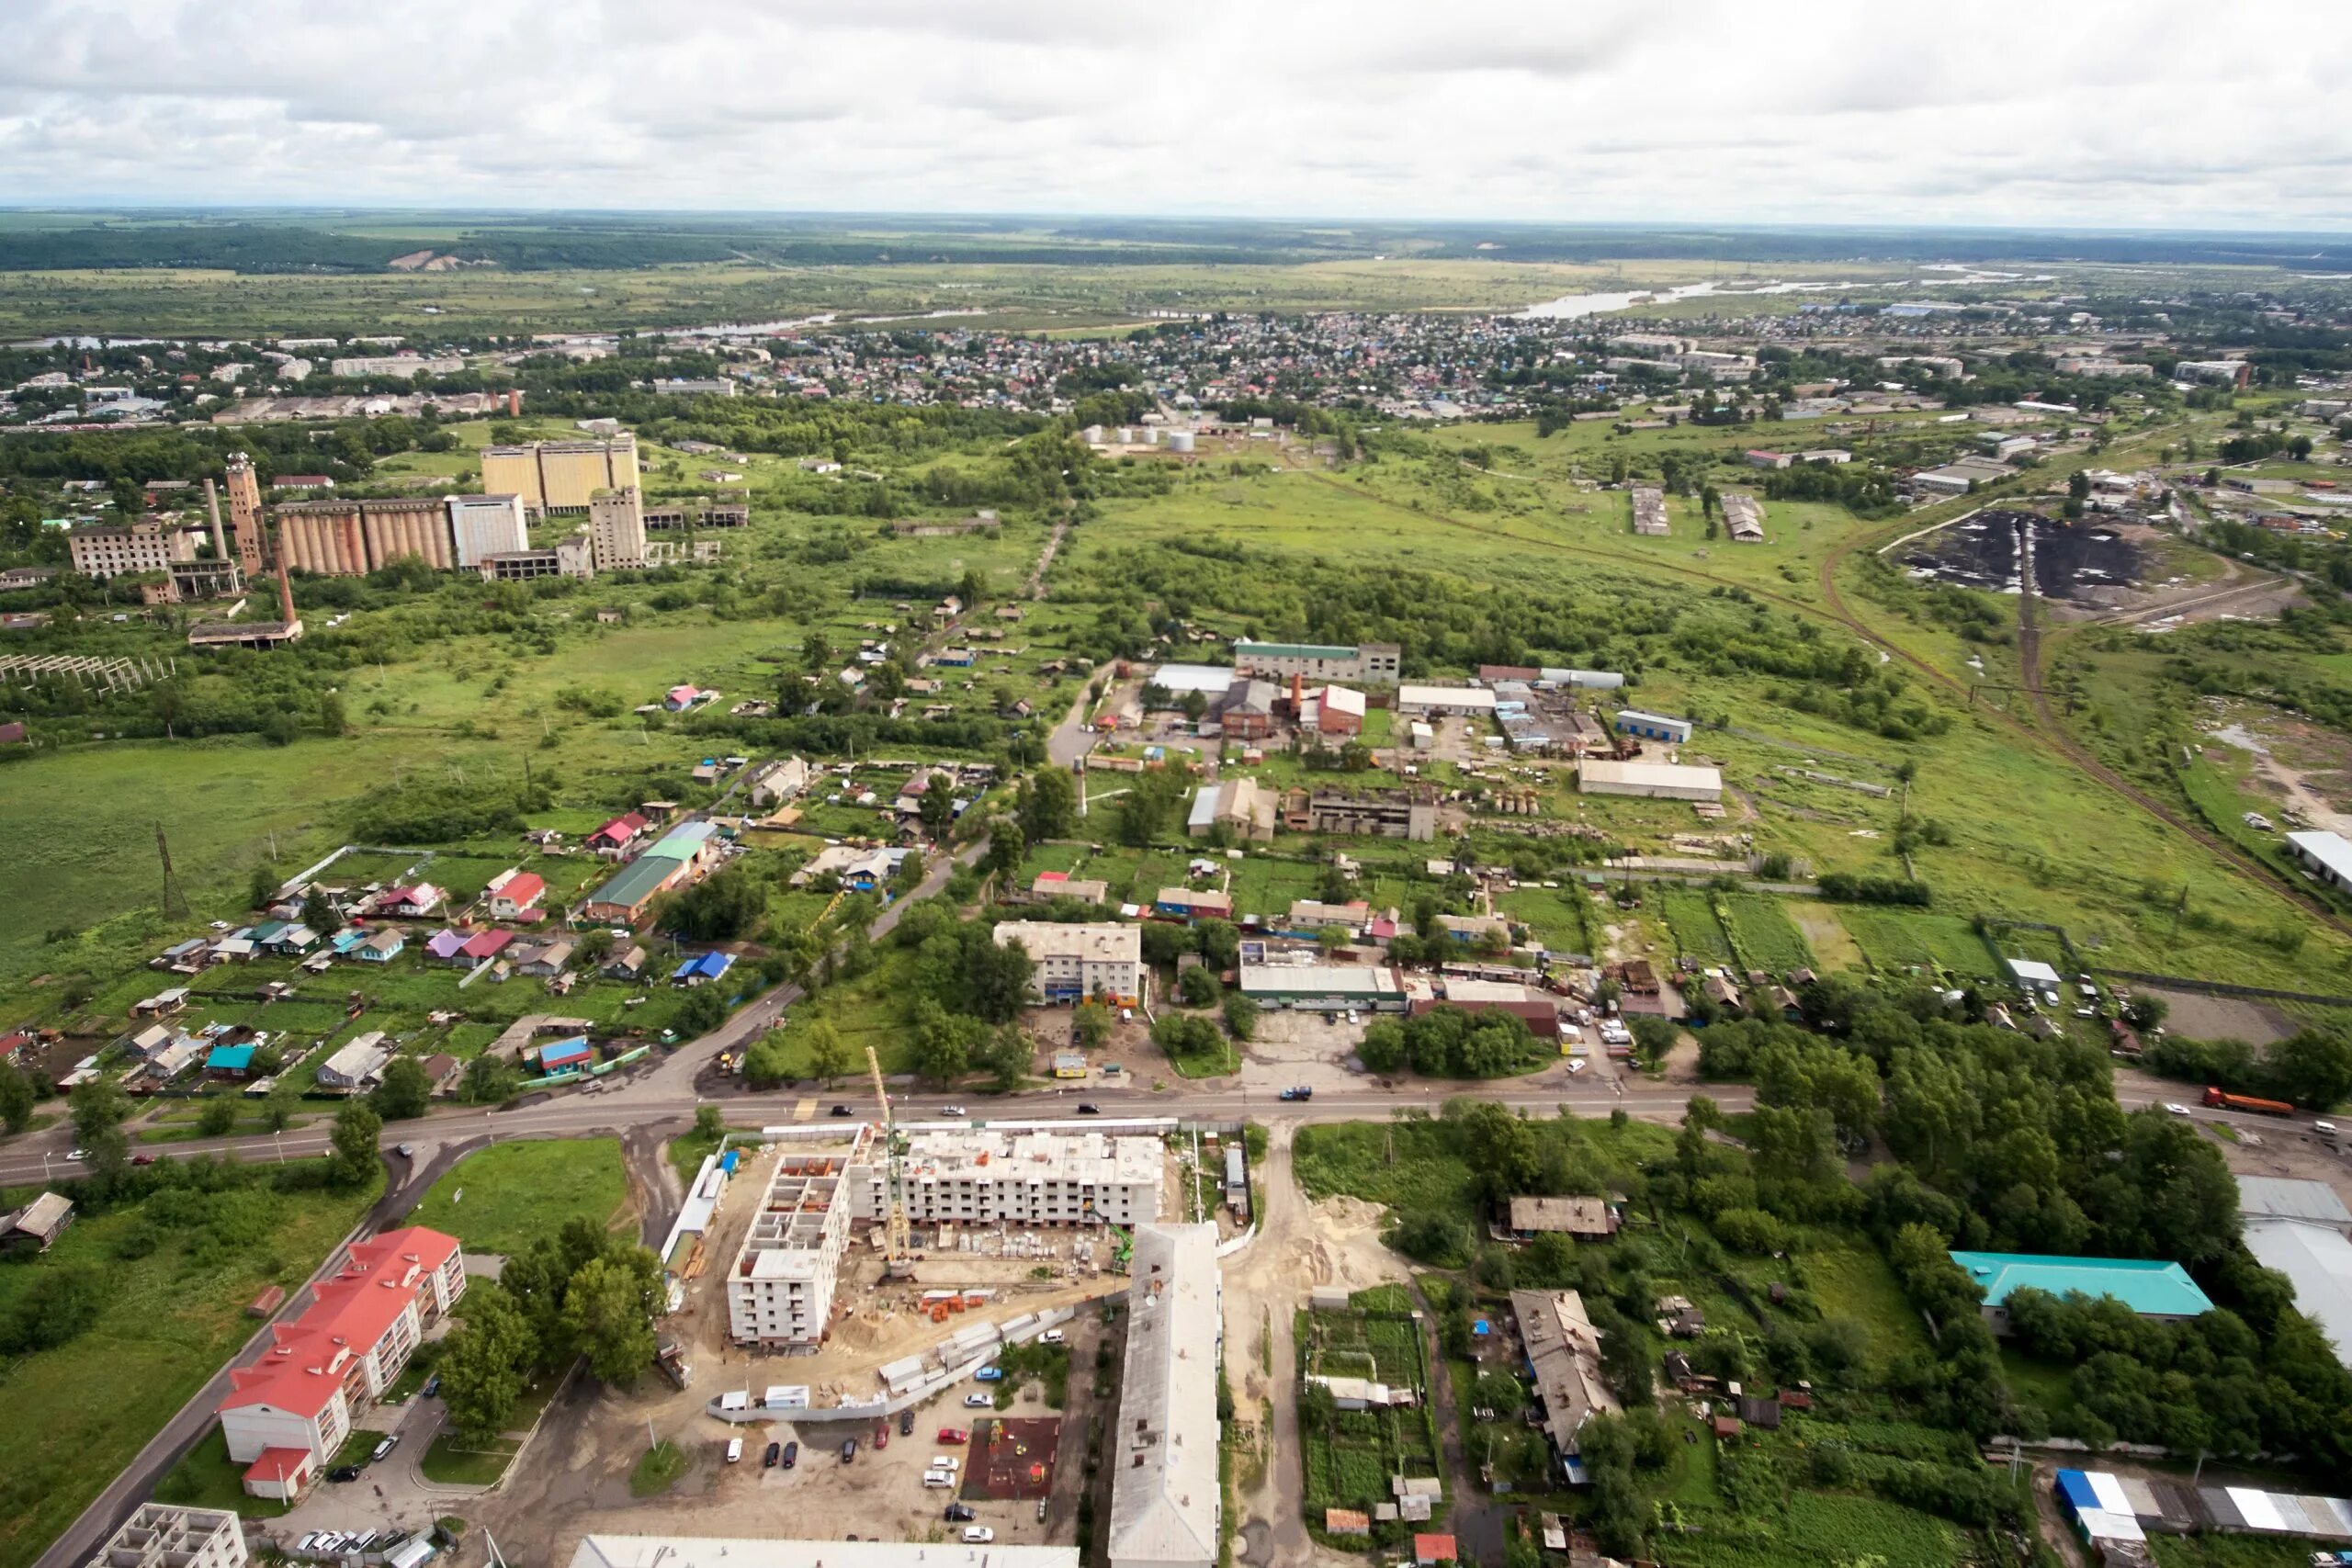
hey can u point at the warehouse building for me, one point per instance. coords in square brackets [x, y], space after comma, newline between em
[1373, 662]
[2327, 855]
[1654, 781]
[1167, 1507]
[1036, 1178]
[2303, 1230]
[1422, 702]
[1652, 726]
[1324, 988]
[2161, 1291]
[780, 1291]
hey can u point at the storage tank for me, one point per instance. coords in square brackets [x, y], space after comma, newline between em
[1179, 441]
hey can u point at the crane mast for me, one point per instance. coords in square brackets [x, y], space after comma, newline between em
[898, 1256]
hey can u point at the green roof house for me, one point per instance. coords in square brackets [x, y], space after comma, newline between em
[2148, 1288]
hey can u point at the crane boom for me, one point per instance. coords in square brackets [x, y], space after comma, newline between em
[898, 1256]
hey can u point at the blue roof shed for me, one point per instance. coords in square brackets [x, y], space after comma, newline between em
[2074, 1489]
[563, 1054]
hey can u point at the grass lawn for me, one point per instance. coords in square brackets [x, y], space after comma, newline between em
[2045, 1383]
[1851, 1279]
[509, 1195]
[460, 1463]
[2229, 1551]
[658, 1470]
[209, 1478]
[357, 1446]
[71, 1417]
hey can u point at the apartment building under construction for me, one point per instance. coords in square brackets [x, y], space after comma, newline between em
[780, 1288]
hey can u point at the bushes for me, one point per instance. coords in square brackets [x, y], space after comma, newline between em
[1845, 888]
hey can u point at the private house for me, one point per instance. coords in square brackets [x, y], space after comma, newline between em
[378, 947]
[412, 903]
[1189, 904]
[36, 1225]
[357, 1065]
[230, 1061]
[447, 946]
[288, 1413]
[2162, 1291]
[1049, 885]
[703, 969]
[617, 837]
[628, 966]
[779, 782]
[483, 946]
[1246, 710]
[543, 962]
[1584, 1219]
[515, 896]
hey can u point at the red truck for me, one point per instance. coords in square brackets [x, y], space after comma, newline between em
[2248, 1103]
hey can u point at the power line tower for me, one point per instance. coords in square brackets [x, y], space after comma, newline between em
[174, 901]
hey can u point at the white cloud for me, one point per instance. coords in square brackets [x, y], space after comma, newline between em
[2132, 113]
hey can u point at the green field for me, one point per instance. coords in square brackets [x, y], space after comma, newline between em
[504, 1197]
[164, 1321]
[1762, 934]
[1690, 916]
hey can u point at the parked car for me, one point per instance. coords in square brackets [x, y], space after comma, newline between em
[1052, 1337]
[734, 1450]
[957, 1513]
[775, 1453]
[387, 1446]
[978, 1535]
[343, 1472]
[791, 1455]
[1088, 1108]
[881, 1434]
[907, 1422]
[989, 1374]
[142, 1159]
[954, 1435]
[935, 1479]
[978, 1401]
[849, 1450]
[1298, 1091]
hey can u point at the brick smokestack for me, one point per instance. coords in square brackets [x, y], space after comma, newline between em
[514, 403]
[212, 506]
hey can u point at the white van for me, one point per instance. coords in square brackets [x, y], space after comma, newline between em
[734, 1450]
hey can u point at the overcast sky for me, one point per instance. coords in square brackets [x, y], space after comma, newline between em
[2133, 113]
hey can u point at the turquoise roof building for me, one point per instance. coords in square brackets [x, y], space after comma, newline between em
[2148, 1288]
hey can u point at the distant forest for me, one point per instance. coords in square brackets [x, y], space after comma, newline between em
[295, 242]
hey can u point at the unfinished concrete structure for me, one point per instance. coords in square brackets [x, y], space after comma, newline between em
[780, 1291]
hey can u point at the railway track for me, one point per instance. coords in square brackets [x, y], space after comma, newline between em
[2049, 734]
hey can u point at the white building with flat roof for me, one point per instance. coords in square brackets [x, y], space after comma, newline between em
[1072, 963]
[1414, 702]
[1166, 1507]
[983, 1176]
[780, 1290]
[2327, 854]
[1654, 780]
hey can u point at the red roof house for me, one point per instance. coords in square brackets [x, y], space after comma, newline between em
[519, 893]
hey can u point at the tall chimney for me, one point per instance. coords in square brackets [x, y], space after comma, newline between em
[212, 506]
[514, 403]
[284, 588]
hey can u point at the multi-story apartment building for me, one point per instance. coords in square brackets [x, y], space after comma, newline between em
[110, 550]
[616, 529]
[165, 1535]
[1166, 1506]
[560, 476]
[986, 1176]
[1072, 963]
[780, 1291]
[288, 1412]
[486, 525]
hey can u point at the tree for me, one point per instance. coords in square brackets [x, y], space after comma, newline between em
[1146, 810]
[1197, 987]
[1382, 1049]
[829, 1054]
[217, 1116]
[318, 912]
[1184, 1034]
[489, 1079]
[405, 1092]
[350, 1156]
[2313, 1067]
[2144, 1012]
[996, 976]
[710, 1123]
[96, 1107]
[16, 1098]
[1240, 1015]
[1089, 1024]
[608, 1309]
[486, 1365]
[935, 808]
[263, 888]
[1047, 806]
[278, 1106]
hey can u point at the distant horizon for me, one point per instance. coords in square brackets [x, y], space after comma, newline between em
[101, 208]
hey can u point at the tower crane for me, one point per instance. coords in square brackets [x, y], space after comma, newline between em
[898, 1256]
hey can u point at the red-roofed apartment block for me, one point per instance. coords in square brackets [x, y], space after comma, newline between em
[290, 1411]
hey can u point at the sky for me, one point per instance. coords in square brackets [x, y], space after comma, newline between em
[2132, 114]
